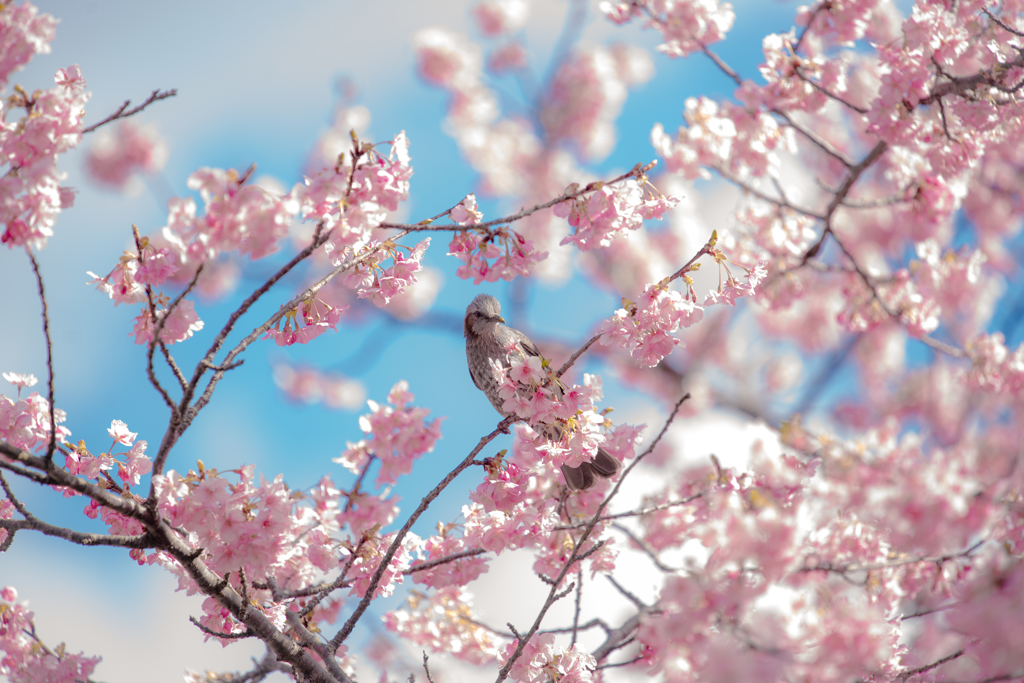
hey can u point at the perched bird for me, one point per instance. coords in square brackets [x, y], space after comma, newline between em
[488, 338]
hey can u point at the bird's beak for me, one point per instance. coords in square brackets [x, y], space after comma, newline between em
[498, 318]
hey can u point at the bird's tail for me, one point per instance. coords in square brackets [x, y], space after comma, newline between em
[583, 477]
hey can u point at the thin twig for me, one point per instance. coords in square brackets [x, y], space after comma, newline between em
[443, 560]
[52, 446]
[123, 112]
[636, 172]
[426, 667]
[928, 667]
[216, 634]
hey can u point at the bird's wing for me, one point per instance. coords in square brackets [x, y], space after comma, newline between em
[525, 344]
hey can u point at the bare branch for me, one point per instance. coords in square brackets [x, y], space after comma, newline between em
[226, 636]
[49, 354]
[646, 548]
[998, 21]
[443, 560]
[825, 91]
[928, 667]
[820, 143]
[426, 668]
[123, 112]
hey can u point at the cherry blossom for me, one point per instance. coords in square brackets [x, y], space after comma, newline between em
[398, 434]
[115, 156]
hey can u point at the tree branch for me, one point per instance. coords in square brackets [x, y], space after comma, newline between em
[52, 446]
[123, 112]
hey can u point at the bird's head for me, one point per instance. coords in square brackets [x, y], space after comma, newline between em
[482, 314]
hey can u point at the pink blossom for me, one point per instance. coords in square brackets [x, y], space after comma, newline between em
[512, 255]
[685, 25]
[119, 430]
[541, 660]
[310, 386]
[32, 198]
[352, 202]
[609, 212]
[22, 658]
[424, 621]
[497, 17]
[397, 436]
[369, 556]
[116, 154]
[20, 380]
[26, 423]
[511, 57]
[444, 58]
[26, 33]
[466, 212]
[645, 329]
[181, 324]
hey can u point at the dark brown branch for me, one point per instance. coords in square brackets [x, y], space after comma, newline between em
[255, 334]
[636, 172]
[426, 668]
[780, 202]
[226, 636]
[857, 567]
[443, 560]
[998, 21]
[820, 143]
[42, 471]
[52, 446]
[123, 112]
[617, 664]
[928, 667]
[646, 548]
[826, 92]
[720, 63]
[78, 537]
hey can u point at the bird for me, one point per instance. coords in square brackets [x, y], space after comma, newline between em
[489, 338]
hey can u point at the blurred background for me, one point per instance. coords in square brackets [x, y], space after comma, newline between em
[260, 83]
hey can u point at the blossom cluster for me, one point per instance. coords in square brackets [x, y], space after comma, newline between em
[524, 163]
[304, 323]
[380, 285]
[115, 156]
[397, 435]
[610, 211]
[355, 195]
[645, 328]
[80, 462]
[310, 386]
[25, 659]
[731, 138]
[686, 26]
[25, 422]
[489, 256]
[31, 196]
[543, 661]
